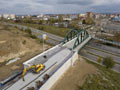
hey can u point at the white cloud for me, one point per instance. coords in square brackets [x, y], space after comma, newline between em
[56, 6]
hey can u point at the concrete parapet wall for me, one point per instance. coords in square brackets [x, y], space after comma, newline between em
[52, 80]
[70, 44]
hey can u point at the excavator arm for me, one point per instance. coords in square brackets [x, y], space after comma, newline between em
[35, 68]
[25, 70]
[23, 74]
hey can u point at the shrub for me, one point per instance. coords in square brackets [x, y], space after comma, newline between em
[108, 62]
[28, 31]
[24, 42]
[41, 28]
[99, 60]
[33, 36]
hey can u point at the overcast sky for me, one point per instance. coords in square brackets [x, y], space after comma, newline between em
[58, 6]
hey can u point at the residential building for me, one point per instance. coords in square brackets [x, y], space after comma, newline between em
[9, 16]
[40, 16]
[82, 15]
[67, 19]
[6, 16]
[12, 16]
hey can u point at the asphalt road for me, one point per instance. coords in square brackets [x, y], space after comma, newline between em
[92, 54]
[115, 50]
[112, 27]
[103, 54]
[52, 39]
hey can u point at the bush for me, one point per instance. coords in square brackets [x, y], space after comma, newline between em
[24, 42]
[99, 60]
[108, 62]
[84, 22]
[28, 31]
[33, 37]
[41, 28]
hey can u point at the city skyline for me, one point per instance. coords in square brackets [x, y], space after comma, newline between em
[58, 6]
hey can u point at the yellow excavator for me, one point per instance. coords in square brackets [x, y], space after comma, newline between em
[34, 68]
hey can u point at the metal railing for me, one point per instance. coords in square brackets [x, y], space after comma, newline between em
[107, 41]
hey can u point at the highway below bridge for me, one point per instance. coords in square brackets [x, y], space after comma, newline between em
[92, 51]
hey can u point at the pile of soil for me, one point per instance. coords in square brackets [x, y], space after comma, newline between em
[13, 46]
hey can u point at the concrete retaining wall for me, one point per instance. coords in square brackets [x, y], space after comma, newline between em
[52, 80]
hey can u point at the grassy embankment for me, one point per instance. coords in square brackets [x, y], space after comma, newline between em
[104, 79]
[50, 29]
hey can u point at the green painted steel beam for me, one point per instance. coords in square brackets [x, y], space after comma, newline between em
[80, 34]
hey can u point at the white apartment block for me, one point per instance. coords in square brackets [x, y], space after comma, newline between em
[9, 16]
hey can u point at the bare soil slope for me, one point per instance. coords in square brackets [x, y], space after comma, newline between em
[75, 76]
[15, 43]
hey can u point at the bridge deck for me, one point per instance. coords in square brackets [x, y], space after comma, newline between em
[30, 78]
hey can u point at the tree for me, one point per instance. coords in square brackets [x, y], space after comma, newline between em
[108, 62]
[41, 21]
[99, 60]
[60, 18]
[52, 20]
[90, 21]
[84, 21]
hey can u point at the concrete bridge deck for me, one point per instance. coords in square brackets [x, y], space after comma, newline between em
[57, 56]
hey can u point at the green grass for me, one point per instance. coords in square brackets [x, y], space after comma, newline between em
[50, 29]
[104, 79]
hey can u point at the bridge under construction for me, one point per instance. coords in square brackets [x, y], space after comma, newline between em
[58, 58]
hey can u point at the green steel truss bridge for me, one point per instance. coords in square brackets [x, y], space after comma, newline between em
[80, 36]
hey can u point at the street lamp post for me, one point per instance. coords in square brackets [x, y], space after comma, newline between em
[44, 38]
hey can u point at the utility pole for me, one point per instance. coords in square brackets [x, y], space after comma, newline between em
[44, 38]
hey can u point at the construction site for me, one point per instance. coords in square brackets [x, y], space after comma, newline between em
[16, 47]
[42, 71]
[25, 65]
